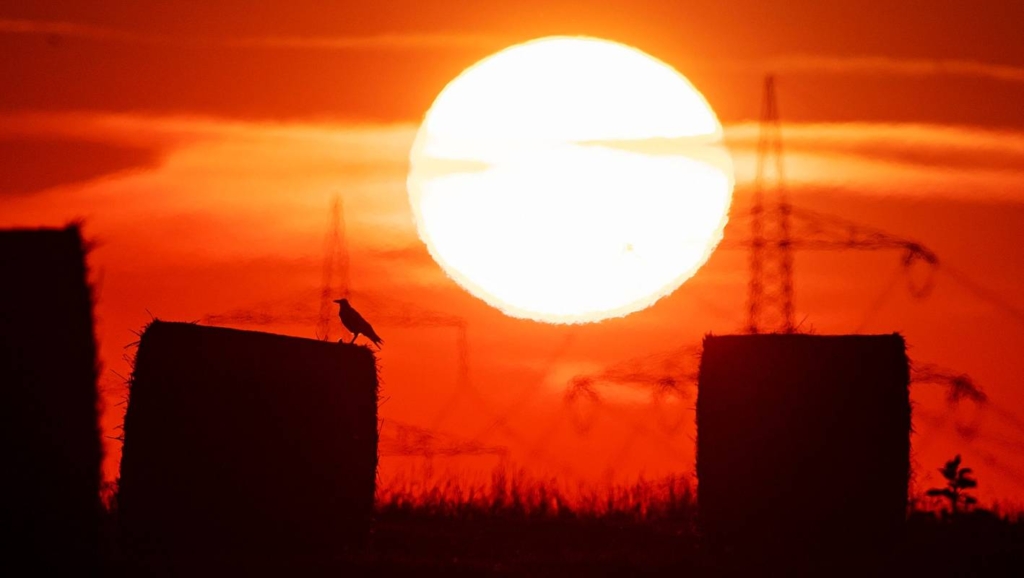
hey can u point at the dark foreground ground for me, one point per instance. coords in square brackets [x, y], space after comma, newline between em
[424, 541]
[418, 543]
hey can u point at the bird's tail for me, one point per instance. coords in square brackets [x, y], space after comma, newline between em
[375, 339]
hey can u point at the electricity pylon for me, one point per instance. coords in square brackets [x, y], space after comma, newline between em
[778, 229]
[770, 293]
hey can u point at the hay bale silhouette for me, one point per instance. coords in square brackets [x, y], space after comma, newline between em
[803, 443]
[246, 448]
[50, 506]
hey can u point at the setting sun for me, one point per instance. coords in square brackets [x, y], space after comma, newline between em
[570, 180]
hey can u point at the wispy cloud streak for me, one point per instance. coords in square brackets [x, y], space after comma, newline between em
[906, 67]
[796, 63]
[61, 29]
[384, 41]
[375, 42]
[906, 160]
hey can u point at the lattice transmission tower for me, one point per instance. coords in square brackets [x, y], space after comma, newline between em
[335, 275]
[778, 229]
[770, 293]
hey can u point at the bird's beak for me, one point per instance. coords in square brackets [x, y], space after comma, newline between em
[337, 300]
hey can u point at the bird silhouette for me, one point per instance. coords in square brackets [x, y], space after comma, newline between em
[355, 323]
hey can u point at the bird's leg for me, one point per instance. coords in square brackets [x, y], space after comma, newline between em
[354, 335]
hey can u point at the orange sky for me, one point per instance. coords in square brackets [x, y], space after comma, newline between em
[203, 146]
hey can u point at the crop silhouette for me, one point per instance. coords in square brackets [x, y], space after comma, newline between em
[958, 481]
[516, 524]
[512, 493]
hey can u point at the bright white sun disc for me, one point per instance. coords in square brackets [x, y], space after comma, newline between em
[570, 180]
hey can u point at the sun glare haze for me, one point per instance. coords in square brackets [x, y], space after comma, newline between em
[570, 180]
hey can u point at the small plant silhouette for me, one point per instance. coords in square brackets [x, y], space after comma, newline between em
[958, 481]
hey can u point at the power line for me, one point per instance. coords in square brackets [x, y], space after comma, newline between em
[984, 293]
